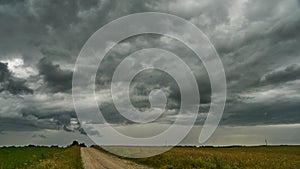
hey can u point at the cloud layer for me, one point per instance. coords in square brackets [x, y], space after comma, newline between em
[258, 43]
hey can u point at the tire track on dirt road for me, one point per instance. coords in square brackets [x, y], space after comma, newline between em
[95, 159]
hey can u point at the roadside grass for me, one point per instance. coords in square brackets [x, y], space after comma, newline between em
[40, 158]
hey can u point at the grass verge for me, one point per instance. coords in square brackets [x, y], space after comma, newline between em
[40, 158]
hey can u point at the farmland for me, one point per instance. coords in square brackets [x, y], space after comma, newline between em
[264, 157]
[40, 158]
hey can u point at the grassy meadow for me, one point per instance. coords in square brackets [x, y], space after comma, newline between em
[264, 157]
[40, 158]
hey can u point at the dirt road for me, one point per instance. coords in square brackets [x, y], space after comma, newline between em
[95, 159]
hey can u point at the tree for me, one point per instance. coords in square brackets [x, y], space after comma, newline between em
[82, 145]
[75, 143]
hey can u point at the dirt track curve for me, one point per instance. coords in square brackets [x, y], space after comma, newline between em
[95, 159]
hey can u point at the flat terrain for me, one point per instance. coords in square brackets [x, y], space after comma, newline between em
[95, 159]
[40, 158]
[74, 157]
[264, 157]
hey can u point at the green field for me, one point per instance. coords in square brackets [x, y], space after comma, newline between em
[40, 158]
[264, 157]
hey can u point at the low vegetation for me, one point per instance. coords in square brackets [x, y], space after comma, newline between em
[32, 157]
[264, 157]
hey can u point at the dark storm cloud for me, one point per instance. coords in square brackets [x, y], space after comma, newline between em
[148, 80]
[111, 114]
[17, 124]
[33, 123]
[31, 119]
[253, 39]
[263, 113]
[12, 84]
[58, 14]
[50, 119]
[256, 43]
[289, 73]
[48, 36]
[57, 80]
[33, 25]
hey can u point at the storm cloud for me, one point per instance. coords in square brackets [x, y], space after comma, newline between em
[257, 41]
[12, 84]
[56, 79]
[289, 73]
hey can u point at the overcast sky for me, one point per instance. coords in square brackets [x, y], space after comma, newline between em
[257, 41]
